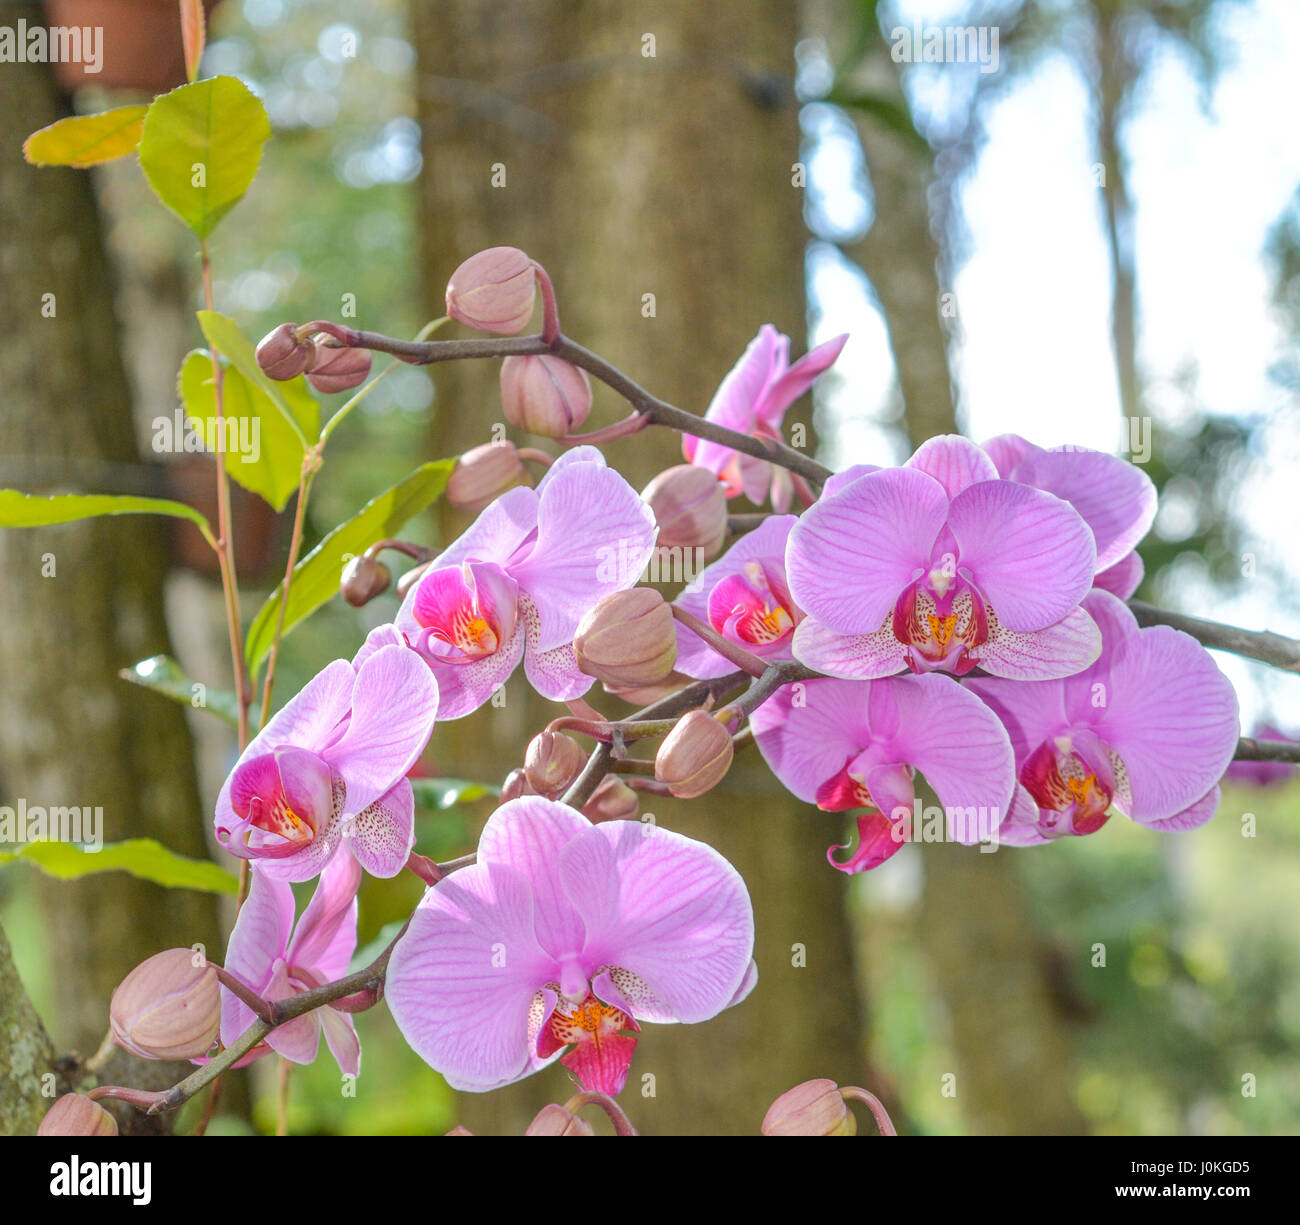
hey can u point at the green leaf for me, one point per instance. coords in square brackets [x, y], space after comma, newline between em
[440, 793]
[263, 452]
[32, 510]
[164, 675]
[200, 148]
[298, 406]
[316, 577]
[87, 140]
[142, 857]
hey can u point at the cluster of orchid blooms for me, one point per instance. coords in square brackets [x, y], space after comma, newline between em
[961, 616]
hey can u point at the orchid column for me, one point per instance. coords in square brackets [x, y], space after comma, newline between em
[719, 147]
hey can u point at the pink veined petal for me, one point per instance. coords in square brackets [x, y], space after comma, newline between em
[891, 790]
[1029, 553]
[664, 907]
[850, 556]
[805, 745]
[563, 461]
[961, 748]
[308, 784]
[1060, 650]
[860, 657]
[463, 688]
[326, 935]
[297, 1040]
[1021, 825]
[879, 839]
[955, 462]
[1087, 692]
[497, 535]
[394, 704]
[1192, 817]
[734, 402]
[341, 1037]
[555, 673]
[1123, 578]
[594, 536]
[462, 981]
[1030, 711]
[258, 939]
[1116, 499]
[382, 835]
[747, 984]
[528, 834]
[793, 382]
[755, 478]
[842, 480]
[448, 599]
[1172, 719]
[381, 636]
[1007, 450]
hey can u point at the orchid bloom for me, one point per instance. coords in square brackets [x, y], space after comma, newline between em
[941, 564]
[852, 744]
[745, 598]
[1116, 499]
[276, 960]
[560, 940]
[329, 770]
[519, 581]
[1263, 773]
[1150, 728]
[753, 400]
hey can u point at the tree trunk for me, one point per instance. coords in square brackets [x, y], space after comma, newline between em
[646, 149]
[80, 601]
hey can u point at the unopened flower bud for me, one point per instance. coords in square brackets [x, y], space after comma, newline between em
[363, 579]
[544, 395]
[552, 762]
[282, 355]
[644, 695]
[613, 800]
[334, 370]
[167, 1007]
[690, 507]
[694, 756]
[459, 1130]
[628, 639]
[74, 1114]
[516, 784]
[493, 291]
[554, 1120]
[814, 1108]
[483, 474]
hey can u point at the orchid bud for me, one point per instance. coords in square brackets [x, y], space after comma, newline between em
[644, 695]
[544, 395]
[629, 638]
[613, 800]
[690, 507]
[282, 355]
[74, 1114]
[483, 474]
[167, 1007]
[814, 1108]
[493, 291]
[554, 1120]
[334, 369]
[363, 579]
[516, 784]
[695, 755]
[459, 1130]
[552, 762]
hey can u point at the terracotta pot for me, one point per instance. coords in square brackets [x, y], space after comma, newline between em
[140, 43]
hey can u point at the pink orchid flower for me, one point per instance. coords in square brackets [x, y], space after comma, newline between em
[1262, 773]
[329, 770]
[560, 941]
[853, 744]
[753, 399]
[941, 564]
[1150, 728]
[267, 953]
[518, 582]
[745, 598]
[1116, 499]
